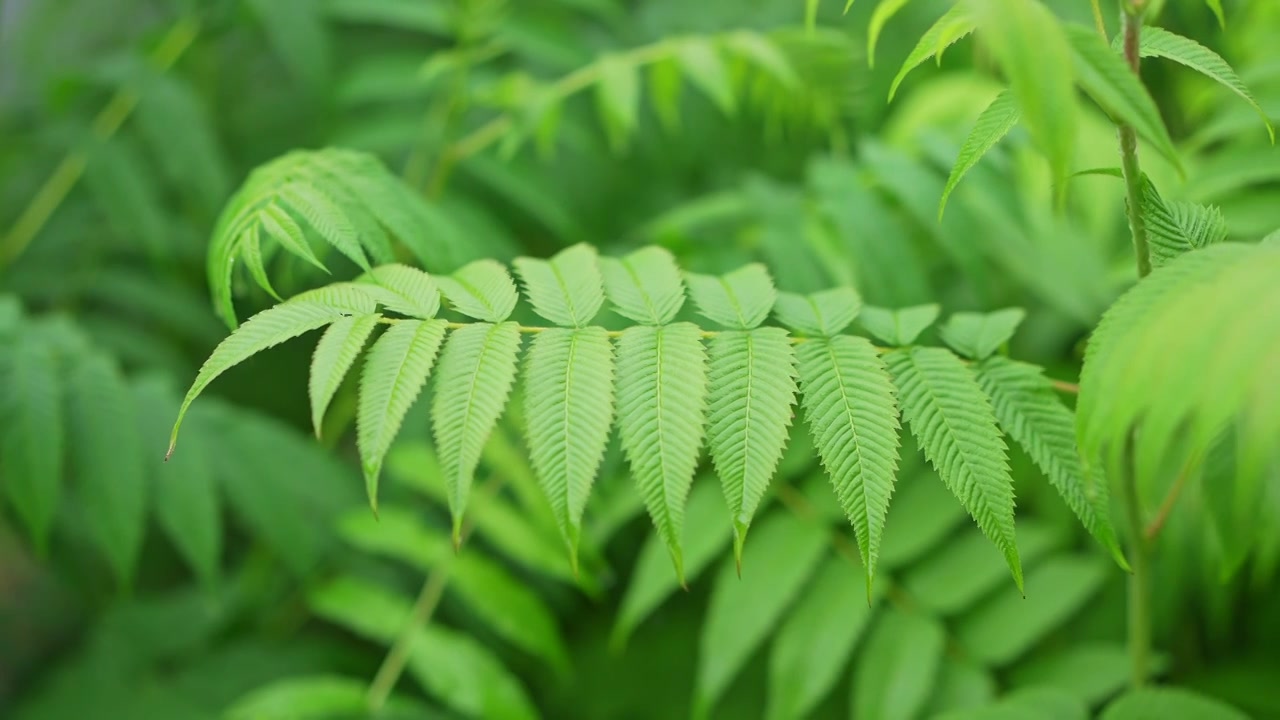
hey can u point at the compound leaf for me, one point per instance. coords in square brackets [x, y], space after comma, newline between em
[335, 353]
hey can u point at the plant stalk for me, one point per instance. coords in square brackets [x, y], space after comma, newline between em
[398, 656]
[1132, 31]
[50, 195]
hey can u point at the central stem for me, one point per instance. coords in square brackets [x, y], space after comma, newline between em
[1132, 30]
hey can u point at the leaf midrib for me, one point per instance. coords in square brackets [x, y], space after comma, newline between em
[857, 441]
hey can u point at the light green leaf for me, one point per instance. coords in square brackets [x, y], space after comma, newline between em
[898, 667]
[568, 406]
[978, 335]
[949, 29]
[334, 355]
[395, 370]
[644, 286]
[964, 571]
[961, 684]
[1049, 703]
[318, 697]
[482, 290]
[1091, 672]
[1008, 625]
[187, 503]
[762, 52]
[326, 218]
[280, 226]
[823, 313]
[662, 394]
[752, 381]
[110, 482]
[1159, 42]
[251, 252]
[477, 369]
[901, 326]
[1216, 7]
[853, 420]
[1033, 50]
[32, 434]
[1169, 703]
[701, 62]
[740, 300]
[302, 313]
[706, 534]
[617, 98]
[567, 289]
[403, 289]
[1233, 502]
[451, 666]
[665, 89]
[813, 646]
[1029, 410]
[1174, 227]
[884, 12]
[742, 612]
[1108, 80]
[992, 125]
[956, 428]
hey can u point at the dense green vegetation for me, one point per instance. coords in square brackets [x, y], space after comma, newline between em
[932, 350]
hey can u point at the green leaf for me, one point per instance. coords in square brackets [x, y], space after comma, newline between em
[1032, 48]
[1158, 42]
[752, 381]
[923, 515]
[815, 642]
[961, 684]
[978, 335]
[644, 286]
[1174, 228]
[1104, 75]
[1216, 7]
[949, 29]
[661, 406]
[992, 125]
[32, 434]
[853, 420]
[402, 289]
[1168, 703]
[898, 327]
[761, 51]
[449, 665]
[107, 459]
[1045, 702]
[326, 217]
[187, 503]
[884, 12]
[301, 313]
[567, 289]
[477, 370]
[1029, 410]
[1090, 671]
[334, 356]
[617, 98]
[742, 612]
[280, 226]
[318, 697]
[706, 534]
[1008, 625]
[569, 408]
[956, 427]
[395, 370]
[739, 300]
[665, 89]
[701, 62]
[296, 30]
[898, 667]
[823, 313]
[251, 252]
[482, 290]
[966, 570]
[1233, 502]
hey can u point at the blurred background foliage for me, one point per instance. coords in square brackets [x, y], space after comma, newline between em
[249, 568]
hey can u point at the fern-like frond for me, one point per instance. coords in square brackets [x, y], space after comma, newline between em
[752, 381]
[1217, 310]
[107, 457]
[395, 371]
[568, 410]
[1174, 227]
[992, 125]
[644, 286]
[662, 390]
[32, 434]
[955, 425]
[823, 313]
[740, 300]
[853, 419]
[1029, 410]
[483, 290]
[952, 27]
[335, 353]
[567, 289]
[403, 289]
[301, 313]
[477, 369]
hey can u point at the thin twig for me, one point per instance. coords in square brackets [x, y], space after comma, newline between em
[1166, 507]
[1066, 387]
[50, 195]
